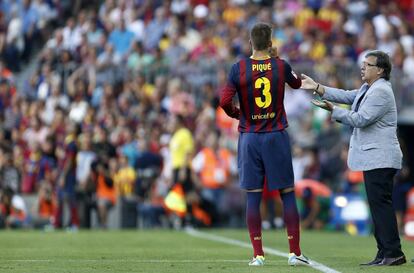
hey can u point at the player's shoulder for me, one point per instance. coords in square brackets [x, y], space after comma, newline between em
[284, 62]
[281, 60]
[241, 60]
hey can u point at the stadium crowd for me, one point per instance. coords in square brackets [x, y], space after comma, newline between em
[125, 91]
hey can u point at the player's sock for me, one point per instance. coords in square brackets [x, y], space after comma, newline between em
[254, 221]
[291, 217]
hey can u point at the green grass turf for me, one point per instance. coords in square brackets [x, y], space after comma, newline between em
[174, 251]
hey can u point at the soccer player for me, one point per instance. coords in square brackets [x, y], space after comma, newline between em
[264, 149]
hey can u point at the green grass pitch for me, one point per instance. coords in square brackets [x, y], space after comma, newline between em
[167, 251]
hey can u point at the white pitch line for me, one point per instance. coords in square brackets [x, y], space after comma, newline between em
[212, 237]
[126, 260]
[28, 261]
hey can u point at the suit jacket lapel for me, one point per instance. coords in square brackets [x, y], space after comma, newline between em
[364, 88]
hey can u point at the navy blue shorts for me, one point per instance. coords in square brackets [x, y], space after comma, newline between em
[263, 155]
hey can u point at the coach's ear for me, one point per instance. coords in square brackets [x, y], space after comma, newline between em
[380, 71]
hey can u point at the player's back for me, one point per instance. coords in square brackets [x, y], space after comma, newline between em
[260, 85]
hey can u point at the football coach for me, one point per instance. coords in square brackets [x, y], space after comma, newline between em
[374, 147]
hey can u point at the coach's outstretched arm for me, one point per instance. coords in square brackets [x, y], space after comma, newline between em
[329, 93]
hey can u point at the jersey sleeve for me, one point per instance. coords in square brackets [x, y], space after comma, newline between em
[227, 94]
[291, 78]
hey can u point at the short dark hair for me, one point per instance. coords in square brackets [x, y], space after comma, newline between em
[261, 35]
[383, 61]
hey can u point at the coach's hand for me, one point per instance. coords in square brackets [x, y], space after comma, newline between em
[327, 105]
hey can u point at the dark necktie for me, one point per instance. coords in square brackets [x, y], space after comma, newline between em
[361, 98]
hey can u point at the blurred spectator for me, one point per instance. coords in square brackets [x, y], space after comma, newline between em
[84, 159]
[48, 163]
[121, 39]
[36, 133]
[124, 181]
[86, 187]
[31, 169]
[66, 182]
[149, 164]
[101, 146]
[13, 211]
[315, 211]
[15, 42]
[44, 208]
[6, 94]
[156, 28]
[105, 191]
[30, 17]
[139, 60]
[71, 34]
[213, 165]
[181, 150]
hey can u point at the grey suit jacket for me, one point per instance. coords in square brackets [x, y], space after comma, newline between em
[374, 143]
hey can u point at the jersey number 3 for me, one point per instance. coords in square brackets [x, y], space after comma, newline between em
[265, 98]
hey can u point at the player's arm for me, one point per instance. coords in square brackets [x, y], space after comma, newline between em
[226, 101]
[226, 97]
[292, 79]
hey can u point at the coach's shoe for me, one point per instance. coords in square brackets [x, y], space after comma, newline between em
[257, 261]
[392, 261]
[294, 260]
[375, 261]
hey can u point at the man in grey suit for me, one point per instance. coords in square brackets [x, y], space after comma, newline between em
[374, 147]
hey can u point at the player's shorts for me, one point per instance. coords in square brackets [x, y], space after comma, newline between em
[263, 155]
